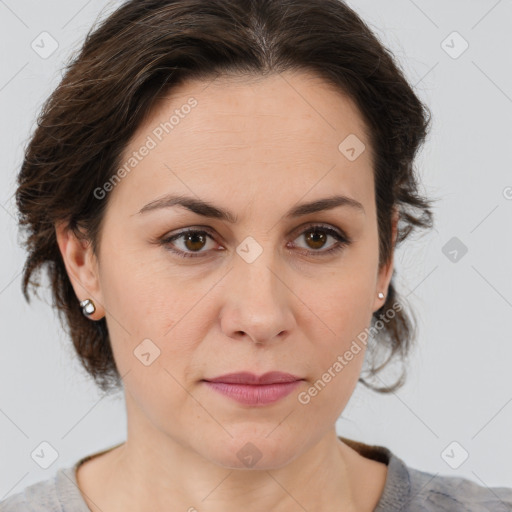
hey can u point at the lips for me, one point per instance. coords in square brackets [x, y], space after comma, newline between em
[254, 390]
[248, 378]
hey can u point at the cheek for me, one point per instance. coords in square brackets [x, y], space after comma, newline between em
[150, 310]
[340, 315]
[352, 289]
[340, 308]
[142, 293]
[339, 353]
[156, 394]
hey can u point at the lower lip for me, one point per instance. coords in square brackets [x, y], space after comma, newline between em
[255, 394]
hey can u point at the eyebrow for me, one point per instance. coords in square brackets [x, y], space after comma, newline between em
[207, 209]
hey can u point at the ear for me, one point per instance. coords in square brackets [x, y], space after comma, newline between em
[386, 272]
[82, 267]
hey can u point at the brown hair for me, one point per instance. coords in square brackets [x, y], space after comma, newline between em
[145, 48]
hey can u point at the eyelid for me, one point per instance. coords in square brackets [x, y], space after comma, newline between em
[307, 225]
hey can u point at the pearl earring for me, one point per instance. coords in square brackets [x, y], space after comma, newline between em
[380, 295]
[88, 307]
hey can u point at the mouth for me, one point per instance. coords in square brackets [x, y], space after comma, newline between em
[250, 389]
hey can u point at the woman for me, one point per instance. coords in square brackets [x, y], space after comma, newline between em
[217, 189]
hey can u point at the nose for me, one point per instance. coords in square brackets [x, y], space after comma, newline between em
[258, 301]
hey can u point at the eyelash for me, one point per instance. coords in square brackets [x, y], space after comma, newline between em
[342, 241]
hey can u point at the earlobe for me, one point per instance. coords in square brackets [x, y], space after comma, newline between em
[81, 266]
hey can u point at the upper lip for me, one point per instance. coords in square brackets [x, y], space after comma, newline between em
[251, 378]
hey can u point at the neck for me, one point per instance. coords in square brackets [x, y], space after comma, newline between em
[168, 476]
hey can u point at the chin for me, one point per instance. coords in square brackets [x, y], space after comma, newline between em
[254, 451]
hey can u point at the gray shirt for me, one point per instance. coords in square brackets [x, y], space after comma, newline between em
[406, 489]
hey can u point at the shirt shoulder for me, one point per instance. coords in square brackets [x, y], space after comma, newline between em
[38, 497]
[408, 489]
[433, 492]
[57, 494]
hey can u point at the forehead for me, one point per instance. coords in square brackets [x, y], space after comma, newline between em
[282, 134]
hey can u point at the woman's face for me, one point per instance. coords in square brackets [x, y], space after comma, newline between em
[257, 292]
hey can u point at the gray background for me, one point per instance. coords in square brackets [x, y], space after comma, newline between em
[459, 386]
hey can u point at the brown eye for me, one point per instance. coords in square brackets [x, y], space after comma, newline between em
[316, 239]
[194, 241]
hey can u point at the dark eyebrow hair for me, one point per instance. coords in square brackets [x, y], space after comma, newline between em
[206, 209]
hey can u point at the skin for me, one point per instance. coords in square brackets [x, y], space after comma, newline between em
[256, 148]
